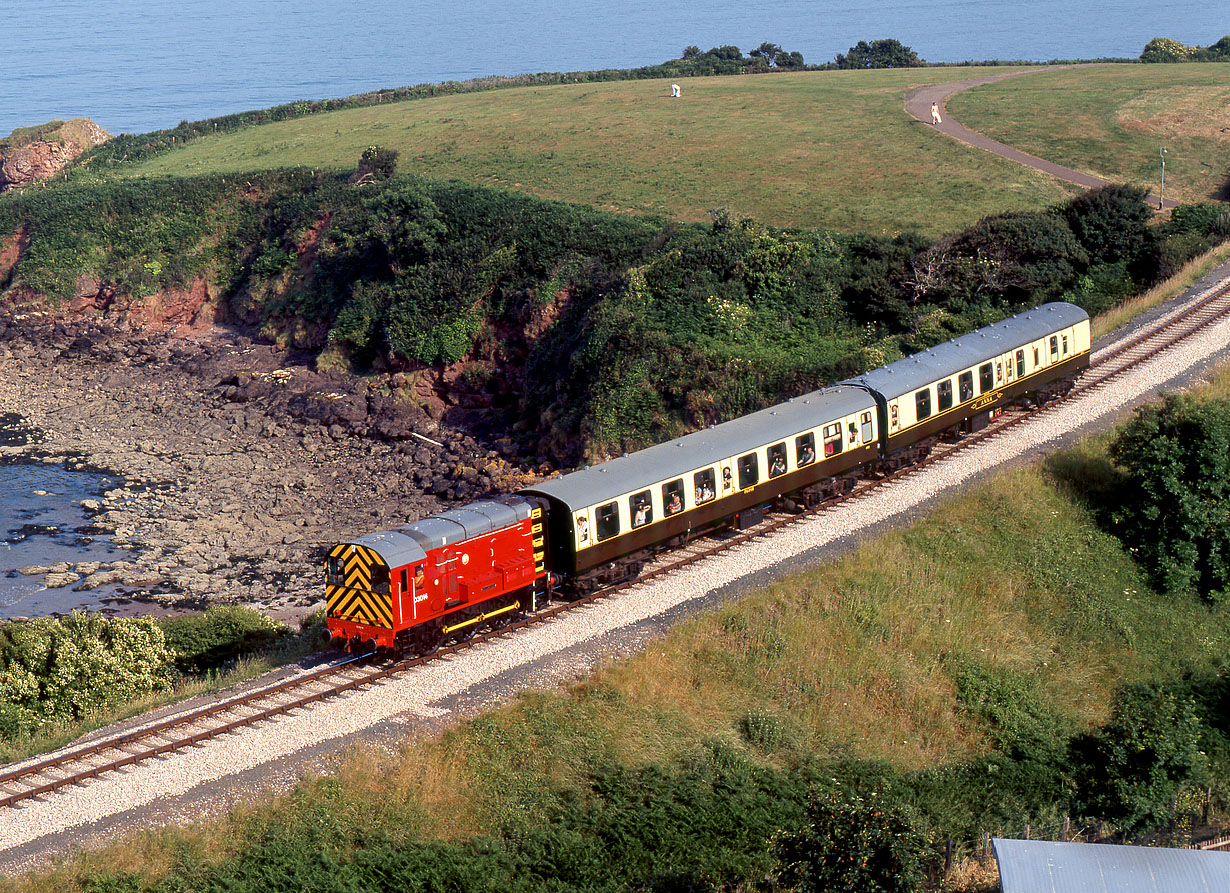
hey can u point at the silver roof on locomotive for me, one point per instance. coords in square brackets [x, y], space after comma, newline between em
[704, 448]
[967, 351]
[409, 544]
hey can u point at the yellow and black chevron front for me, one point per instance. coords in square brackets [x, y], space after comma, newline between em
[351, 596]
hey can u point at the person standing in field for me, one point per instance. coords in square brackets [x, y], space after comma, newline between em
[935, 113]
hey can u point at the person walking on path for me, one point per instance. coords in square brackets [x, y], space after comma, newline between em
[935, 113]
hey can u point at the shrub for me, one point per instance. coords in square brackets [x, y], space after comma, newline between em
[852, 843]
[214, 639]
[1176, 501]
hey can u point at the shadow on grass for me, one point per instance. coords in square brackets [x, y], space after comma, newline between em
[1088, 476]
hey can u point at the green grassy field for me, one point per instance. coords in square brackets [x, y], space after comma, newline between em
[1113, 121]
[816, 149]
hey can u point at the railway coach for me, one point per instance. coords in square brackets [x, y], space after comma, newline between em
[961, 385]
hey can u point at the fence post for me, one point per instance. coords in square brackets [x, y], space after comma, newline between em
[985, 852]
[1067, 827]
[1027, 837]
[1204, 813]
[948, 856]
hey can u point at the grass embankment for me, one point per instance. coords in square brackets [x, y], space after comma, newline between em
[831, 150]
[1193, 271]
[1005, 618]
[1114, 120]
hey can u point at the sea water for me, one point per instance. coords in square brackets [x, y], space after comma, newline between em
[42, 522]
[135, 66]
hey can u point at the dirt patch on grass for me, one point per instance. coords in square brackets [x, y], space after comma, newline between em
[1178, 112]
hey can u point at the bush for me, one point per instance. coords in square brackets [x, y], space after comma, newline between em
[214, 639]
[1176, 501]
[59, 669]
[852, 843]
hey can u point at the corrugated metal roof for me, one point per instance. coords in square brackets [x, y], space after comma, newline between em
[1038, 866]
[668, 460]
[969, 350]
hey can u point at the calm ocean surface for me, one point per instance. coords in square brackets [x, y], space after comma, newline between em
[42, 523]
[135, 66]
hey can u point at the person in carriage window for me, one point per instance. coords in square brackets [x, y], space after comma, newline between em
[727, 482]
[642, 514]
[778, 466]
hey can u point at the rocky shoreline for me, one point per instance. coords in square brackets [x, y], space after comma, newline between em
[242, 464]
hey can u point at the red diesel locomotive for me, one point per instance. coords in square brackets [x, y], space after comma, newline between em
[442, 577]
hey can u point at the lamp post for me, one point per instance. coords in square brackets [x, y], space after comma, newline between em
[1161, 193]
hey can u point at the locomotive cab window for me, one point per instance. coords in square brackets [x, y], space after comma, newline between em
[380, 580]
[777, 460]
[608, 521]
[866, 424]
[922, 403]
[672, 498]
[1054, 347]
[640, 509]
[405, 580]
[333, 568]
[832, 440]
[944, 391]
[805, 449]
[749, 471]
[986, 378]
[965, 386]
[705, 485]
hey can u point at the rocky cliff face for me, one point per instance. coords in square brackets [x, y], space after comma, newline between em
[23, 161]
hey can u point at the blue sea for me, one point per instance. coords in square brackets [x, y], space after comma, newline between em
[135, 66]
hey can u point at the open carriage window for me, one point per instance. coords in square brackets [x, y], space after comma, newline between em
[672, 498]
[749, 471]
[705, 485]
[608, 521]
[640, 508]
[832, 439]
[777, 460]
[965, 386]
[804, 449]
[922, 404]
[944, 390]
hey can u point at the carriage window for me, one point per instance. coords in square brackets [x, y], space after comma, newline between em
[1054, 347]
[777, 460]
[832, 440]
[804, 450]
[866, 420]
[999, 372]
[749, 471]
[640, 508]
[944, 390]
[703, 482]
[965, 386]
[892, 415]
[672, 498]
[1065, 345]
[986, 380]
[1036, 360]
[1020, 362]
[608, 521]
[922, 401]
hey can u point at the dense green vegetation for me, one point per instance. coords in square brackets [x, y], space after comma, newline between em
[1163, 49]
[609, 331]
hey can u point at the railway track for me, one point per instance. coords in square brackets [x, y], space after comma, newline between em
[77, 766]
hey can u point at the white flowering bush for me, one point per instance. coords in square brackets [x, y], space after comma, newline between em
[55, 669]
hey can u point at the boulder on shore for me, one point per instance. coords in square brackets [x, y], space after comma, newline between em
[29, 154]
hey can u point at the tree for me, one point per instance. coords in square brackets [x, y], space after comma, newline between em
[851, 843]
[887, 53]
[690, 53]
[376, 164]
[1112, 223]
[1175, 510]
[767, 51]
